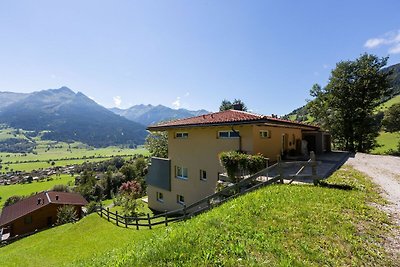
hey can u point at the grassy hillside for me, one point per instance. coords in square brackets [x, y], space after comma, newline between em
[27, 189]
[280, 225]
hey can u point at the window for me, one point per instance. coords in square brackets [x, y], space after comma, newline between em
[160, 197]
[28, 220]
[181, 172]
[203, 175]
[265, 134]
[228, 134]
[181, 135]
[180, 199]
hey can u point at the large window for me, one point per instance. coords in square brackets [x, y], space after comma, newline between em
[160, 197]
[181, 135]
[203, 175]
[180, 199]
[228, 134]
[265, 134]
[181, 172]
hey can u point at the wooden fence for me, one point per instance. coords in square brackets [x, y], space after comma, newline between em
[251, 183]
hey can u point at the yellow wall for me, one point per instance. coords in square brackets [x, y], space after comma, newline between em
[200, 152]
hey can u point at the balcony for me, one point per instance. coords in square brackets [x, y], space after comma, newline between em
[159, 174]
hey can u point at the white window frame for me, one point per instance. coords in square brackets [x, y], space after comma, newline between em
[265, 134]
[180, 172]
[181, 135]
[202, 172]
[160, 197]
[180, 199]
[231, 134]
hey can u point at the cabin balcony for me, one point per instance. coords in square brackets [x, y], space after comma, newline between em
[159, 174]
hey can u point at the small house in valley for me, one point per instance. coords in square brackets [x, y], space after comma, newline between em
[192, 168]
[38, 211]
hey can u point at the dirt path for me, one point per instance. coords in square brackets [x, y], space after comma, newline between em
[385, 172]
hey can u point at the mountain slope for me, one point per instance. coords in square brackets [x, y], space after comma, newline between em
[71, 116]
[8, 98]
[149, 114]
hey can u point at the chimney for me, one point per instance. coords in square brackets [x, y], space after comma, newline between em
[56, 197]
[237, 106]
[38, 201]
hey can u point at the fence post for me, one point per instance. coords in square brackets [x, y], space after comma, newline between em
[108, 213]
[148, 219]
[280, 170]
[126, 222]
[116, 217]
[314, 168]
[184, 212]
[101, 211]
[166, 218]
[137, 223]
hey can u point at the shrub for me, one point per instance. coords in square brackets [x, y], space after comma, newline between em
[13, 199]
[91, 207]
[61, 188]
[66, 214]
[239, 164]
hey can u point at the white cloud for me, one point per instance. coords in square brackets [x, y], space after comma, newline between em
[390, 39]
[177, 103]
[117, 101]
[395, 49]
[187, 94]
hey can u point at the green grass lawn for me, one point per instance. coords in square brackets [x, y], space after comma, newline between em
[279, 225]
[387, 141]
[27, 189]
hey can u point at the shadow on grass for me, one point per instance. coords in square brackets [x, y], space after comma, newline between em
[335, 186]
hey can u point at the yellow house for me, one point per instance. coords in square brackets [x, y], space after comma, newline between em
[192, 168]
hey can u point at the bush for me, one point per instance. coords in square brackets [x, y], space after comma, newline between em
[12, 200]
[239, 164]
[66, 214]
[61, 188]
[91, 207]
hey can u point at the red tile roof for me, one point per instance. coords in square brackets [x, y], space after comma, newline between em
[30, 204]
[227, 117]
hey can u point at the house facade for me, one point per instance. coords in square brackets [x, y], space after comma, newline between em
[192, 168]
[38, 211]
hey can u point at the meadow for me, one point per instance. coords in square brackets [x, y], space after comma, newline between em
[279, 225]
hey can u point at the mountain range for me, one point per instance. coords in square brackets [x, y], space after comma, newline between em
[64, 115]
[149, 114]
[68, 116]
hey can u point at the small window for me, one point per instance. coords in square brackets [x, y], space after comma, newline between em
[28, 220]
[181, 135]
[228, 134]
[160, 197]
[180, 199]
[181, 172]
[265, 134]
[203, 175]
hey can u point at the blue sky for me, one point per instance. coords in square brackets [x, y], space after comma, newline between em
[190, 54]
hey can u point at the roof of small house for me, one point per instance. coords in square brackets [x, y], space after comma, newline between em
[228, 117]
[38, 201]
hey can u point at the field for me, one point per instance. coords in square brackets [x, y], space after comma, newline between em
[62, 154]
[27, 189]
[279, 225]
[386, 141]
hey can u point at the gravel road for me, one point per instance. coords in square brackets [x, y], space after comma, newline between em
[385, 172]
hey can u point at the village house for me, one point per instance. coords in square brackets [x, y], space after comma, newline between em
[192, 168]
[37, 212]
